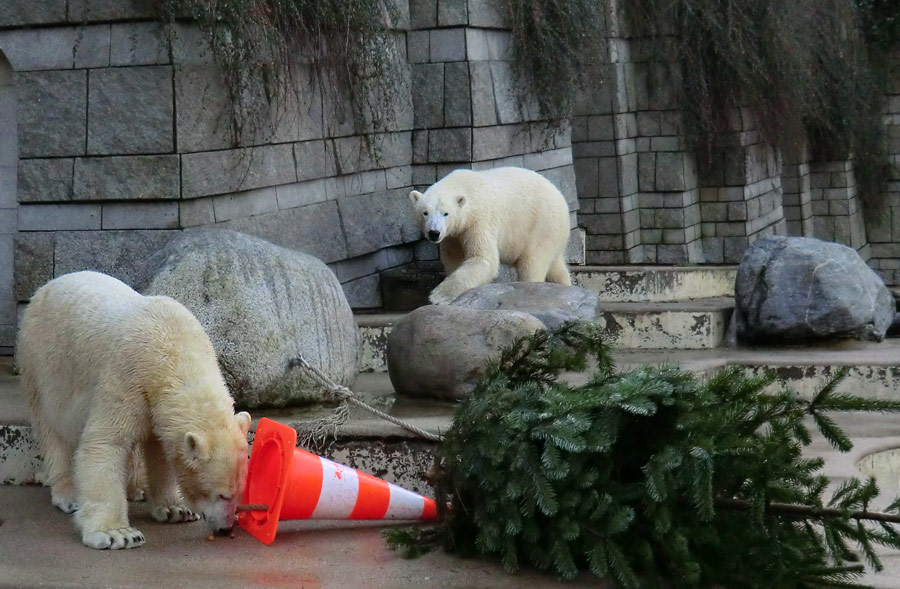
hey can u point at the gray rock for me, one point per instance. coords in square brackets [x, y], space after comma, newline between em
[262, 306]
[441, 351]
[553, 304]
[801, 288]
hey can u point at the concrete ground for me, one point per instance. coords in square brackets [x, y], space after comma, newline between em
[39, 547]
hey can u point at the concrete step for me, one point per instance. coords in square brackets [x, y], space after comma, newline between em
[682, 325]
[630, 284]
[373, 445]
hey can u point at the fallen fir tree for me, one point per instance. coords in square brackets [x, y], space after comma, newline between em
[650, 478]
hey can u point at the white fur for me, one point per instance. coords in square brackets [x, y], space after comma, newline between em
[114, 378]
[480, 219]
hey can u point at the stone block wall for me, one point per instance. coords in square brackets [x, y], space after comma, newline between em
[467, 111]
[124, 139]
[8, 205]
[883, 215]
[637, 182]
[647, 197]
[796, 195]
[836, 212]
[742, 194]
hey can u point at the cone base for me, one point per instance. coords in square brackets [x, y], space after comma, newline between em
[270, 461]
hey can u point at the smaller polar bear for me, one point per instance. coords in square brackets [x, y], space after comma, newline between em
[111, 376]
[480, 219]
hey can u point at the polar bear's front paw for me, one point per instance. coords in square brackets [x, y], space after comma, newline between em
[173, 514]
[115, 539]
[437, 298]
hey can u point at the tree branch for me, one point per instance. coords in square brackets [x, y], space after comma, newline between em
[808, 511]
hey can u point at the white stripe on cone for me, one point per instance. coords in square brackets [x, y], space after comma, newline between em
[404, 504]
[340, 488]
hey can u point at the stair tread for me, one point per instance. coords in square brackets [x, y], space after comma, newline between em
[375, 387]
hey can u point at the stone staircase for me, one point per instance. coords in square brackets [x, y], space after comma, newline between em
[651, 315]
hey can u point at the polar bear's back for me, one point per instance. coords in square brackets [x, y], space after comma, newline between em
[86, 332]
[512, 203]
[518, 195]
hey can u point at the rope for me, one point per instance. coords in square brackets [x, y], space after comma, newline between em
[313, 433]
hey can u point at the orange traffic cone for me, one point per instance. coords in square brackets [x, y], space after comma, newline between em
[295, 484]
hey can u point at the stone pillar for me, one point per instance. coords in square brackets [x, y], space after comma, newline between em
[467, 109]
[837, 214]
[637, 182]
[883, 211]
[9, 158]
[796, 195]
[741, 194]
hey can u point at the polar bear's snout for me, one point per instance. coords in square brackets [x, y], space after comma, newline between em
[219, 514]
[434, 236]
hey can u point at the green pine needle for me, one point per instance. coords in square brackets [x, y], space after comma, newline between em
[653, 477]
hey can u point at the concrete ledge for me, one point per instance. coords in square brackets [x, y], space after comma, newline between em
[655, 283]
[685, 325]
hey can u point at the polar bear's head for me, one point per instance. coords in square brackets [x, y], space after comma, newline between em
[213, 470]
[439, 212]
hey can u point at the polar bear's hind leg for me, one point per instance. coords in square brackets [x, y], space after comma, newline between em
[559, 271]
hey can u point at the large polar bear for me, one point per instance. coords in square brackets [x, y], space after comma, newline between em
[108, 371]
[480, 219]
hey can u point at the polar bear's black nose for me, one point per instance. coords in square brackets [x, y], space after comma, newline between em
[434, 236]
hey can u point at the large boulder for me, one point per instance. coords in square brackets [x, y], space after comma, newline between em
[552, 303]
[441, 351]
[262, 306]
[802, 288]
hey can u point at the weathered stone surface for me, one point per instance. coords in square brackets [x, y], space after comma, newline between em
[117, 253]
[428, 95]
[130, 110]
[313, 229]
[452, 13]
[144, 215]
[56, 101]
[262, 306]
[552, 304]
[799, 287]
[487, 13]
[33, 263]
[457, 95]
[374, 221]
[127, 178]
[45, 180]
[93, 10]
[441, 351]
[33, 12]
[59, 217]
[201, 103]
[40, 49]
[219, 172]
[450, 145]
[138, 44]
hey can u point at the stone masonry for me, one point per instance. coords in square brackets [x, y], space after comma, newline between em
[467, 112]
[646, 197]
[883, 216]
[124, 141]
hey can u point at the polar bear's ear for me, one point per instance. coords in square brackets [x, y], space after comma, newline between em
[243, 420]
[414, 196]
[460, 201]
[195, 447]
